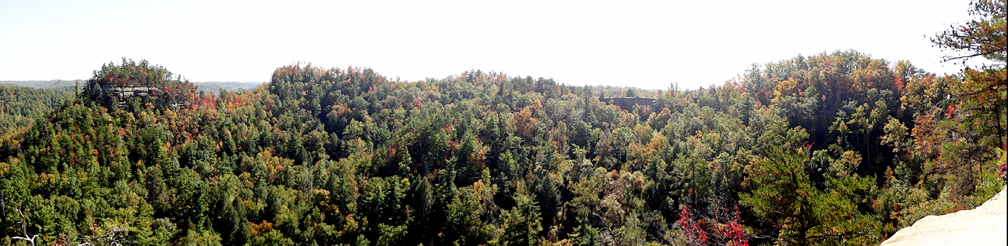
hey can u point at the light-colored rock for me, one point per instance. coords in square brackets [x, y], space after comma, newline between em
[985, 225]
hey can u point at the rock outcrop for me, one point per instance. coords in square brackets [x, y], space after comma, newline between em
[985, 225]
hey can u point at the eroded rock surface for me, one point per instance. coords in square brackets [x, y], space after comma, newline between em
[985, 225]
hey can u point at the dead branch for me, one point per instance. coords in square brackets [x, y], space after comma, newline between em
[24, 229]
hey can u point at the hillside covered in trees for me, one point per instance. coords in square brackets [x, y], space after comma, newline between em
[20, 106]
[833, 148]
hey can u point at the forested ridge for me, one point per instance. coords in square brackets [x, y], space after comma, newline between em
[830, 149]
[20, 106]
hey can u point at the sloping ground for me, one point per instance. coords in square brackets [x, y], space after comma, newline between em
[985, 225]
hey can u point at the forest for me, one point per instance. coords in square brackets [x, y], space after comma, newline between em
[834, 148]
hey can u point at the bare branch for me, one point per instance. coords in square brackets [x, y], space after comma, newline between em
[606, 224]
[964, 57]
[839, 234]
[115, 236]
[24, 229]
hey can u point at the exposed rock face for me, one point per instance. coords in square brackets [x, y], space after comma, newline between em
[985, 225]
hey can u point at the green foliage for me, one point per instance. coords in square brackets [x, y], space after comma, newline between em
[803, 214]
[521, 224]
[20, 106]
[834, 148]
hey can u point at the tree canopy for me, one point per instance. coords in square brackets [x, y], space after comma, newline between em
[832, 148]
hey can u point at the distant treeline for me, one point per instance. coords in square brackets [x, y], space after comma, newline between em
[63, 85]
[215, 87]
[20, 106]
[69, 85]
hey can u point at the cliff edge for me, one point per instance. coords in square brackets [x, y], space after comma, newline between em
[985, 225]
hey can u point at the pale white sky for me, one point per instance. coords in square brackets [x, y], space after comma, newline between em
[647, 44]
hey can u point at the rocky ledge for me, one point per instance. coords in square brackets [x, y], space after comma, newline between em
[985, 225]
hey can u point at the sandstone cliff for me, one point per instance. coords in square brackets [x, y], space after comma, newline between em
[985, 225]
